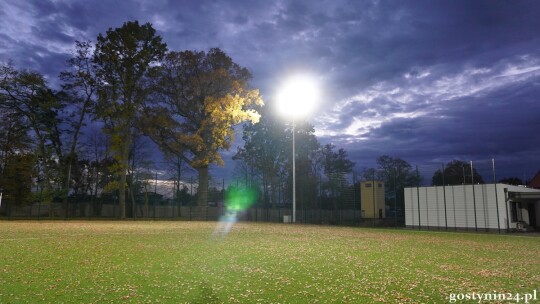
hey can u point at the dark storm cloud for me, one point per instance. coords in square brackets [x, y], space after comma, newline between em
[388, 39]
[422, 80]
[496, 125]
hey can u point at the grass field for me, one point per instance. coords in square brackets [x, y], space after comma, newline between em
[180, 262]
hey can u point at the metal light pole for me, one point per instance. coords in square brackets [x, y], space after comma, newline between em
[295, 100]
[293, 176]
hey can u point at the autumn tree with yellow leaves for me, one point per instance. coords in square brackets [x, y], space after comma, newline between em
[201, 96]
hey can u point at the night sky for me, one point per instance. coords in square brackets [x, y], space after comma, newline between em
[426, 81]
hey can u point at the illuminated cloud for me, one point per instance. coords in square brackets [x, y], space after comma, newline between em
[424, 93]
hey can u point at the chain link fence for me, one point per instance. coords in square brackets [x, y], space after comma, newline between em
[324, 201]
[336, 199]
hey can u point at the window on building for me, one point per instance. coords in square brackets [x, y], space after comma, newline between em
[380, 185]
[368, 185]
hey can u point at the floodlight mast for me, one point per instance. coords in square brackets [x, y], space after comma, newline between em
[297, 98]
[293, 176]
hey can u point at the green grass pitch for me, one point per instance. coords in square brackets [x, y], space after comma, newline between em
[181, 262]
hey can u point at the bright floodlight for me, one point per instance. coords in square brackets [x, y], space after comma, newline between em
[298, 96]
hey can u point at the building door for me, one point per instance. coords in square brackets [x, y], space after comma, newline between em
[532, 214]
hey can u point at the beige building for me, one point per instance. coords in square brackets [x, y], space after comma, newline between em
[372, 199]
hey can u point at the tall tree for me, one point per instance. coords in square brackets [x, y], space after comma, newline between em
[139, 171]
[15, 147]
[396, 173]
[124, 58]
[27, 95]
[16, 180]
[15, 138]
[267, 153]
[456, 172]
[203, 95]
[264, 152]
[98, 151]
[390, 168]
[336, 165]
[79, 88]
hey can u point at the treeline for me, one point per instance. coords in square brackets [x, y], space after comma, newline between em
[322, 171]
[130, 85]
[325, 176]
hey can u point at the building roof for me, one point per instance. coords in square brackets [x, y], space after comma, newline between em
[535, 181]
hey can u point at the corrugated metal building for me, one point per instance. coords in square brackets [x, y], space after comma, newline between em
[483, 207]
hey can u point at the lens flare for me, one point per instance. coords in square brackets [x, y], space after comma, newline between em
[237, 201]
[240, 198]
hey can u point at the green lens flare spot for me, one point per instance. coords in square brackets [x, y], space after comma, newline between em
[240, 198]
